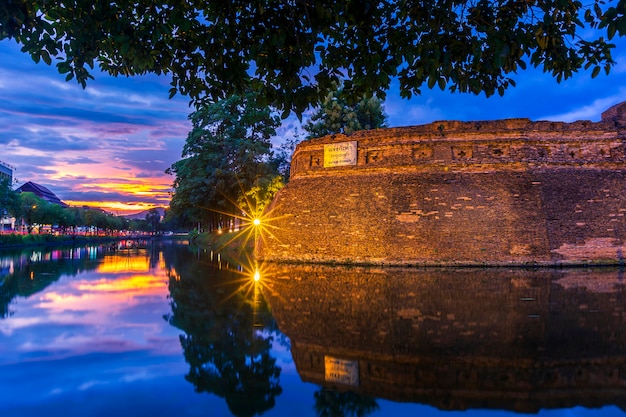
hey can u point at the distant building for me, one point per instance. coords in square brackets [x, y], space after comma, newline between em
[42, 192]
[6, 171]
[6, 222]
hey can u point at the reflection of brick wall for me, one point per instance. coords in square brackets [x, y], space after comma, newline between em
[497, 192]
[488, 338]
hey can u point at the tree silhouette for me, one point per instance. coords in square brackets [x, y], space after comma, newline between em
[330, 403]
[227, 153]
[227, 355]
[337, 114]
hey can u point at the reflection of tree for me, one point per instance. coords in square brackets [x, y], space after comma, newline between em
[343, 404]
[27, 272]
[227, 356]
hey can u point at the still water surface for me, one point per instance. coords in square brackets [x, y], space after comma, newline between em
[168, 330]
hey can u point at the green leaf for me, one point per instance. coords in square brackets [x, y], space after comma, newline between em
[595, 72]
[611, 29]
[46, 57]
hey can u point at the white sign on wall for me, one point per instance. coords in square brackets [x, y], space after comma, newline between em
[340, 154]
[341, 371]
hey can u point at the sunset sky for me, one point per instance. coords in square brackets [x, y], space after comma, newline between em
[109, 144]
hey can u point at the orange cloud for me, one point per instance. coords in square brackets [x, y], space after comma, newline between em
[115, 207]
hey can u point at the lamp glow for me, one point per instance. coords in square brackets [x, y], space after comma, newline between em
[257, 275]
[256, 222]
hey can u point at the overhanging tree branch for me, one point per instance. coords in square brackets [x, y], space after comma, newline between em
[293, 51]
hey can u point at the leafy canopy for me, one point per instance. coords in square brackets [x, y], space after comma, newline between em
[9, 198]
[336, 114]
[226, 154]
[292, 51]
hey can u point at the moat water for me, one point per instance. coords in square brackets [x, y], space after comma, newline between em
[164, 329]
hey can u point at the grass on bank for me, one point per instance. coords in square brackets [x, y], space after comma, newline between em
[223, 242]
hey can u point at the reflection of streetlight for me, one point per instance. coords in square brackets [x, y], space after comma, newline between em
[256, 223]
[256, 301]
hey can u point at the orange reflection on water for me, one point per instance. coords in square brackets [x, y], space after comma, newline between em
[134, 283]
[124, 263]
[126, 277]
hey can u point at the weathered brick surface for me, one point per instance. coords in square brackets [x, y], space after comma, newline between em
[459, 338]
[471, 193]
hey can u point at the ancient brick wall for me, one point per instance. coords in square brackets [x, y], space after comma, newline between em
[464, 193]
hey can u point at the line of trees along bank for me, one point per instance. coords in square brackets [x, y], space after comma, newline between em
[37, 215]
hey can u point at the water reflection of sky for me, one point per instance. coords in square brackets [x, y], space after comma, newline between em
[111, 310]
[95, 344]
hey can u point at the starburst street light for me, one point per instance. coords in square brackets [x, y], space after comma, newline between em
[256, 222]
[256, 225]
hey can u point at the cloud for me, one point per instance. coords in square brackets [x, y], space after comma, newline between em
[82, 160]
[591, 111]
[114, 196]
[118, 132]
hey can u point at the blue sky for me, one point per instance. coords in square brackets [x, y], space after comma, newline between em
[109, 144]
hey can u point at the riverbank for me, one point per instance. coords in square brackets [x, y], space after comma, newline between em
[230, 243]
[11, 241]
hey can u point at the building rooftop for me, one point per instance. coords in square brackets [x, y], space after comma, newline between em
[42, 192]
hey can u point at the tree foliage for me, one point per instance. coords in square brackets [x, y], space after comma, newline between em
[338, 115]
[227, 153]
[153, 219]
[32, 209]
[257, 198]
[292, 51]
[329, 403]
[9, 198]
